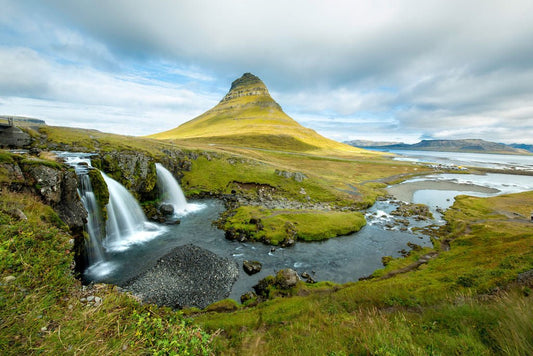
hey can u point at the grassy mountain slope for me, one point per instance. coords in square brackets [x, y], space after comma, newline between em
[248, 116]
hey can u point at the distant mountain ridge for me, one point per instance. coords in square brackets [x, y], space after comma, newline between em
[247, 116]
[467, 145]
[368, 143]
[522, 146]
[21, 120]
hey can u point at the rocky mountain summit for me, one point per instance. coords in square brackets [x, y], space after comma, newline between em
[250, 85]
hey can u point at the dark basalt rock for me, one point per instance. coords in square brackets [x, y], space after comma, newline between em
[166, 209]
[59, 189]
[252, 267]
[188, 276]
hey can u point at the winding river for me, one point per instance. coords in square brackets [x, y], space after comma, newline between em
[341, 259]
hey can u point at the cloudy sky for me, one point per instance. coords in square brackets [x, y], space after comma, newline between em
[378, 70]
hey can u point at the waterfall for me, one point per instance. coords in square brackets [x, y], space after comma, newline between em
[126, 223]
[96, 257]
[95, 253]
[171, 193]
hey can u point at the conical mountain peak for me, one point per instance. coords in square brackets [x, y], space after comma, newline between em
[248, 116]
[247, 85]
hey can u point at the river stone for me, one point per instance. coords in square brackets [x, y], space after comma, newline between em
[166, 209]
[252, 267]
[287, 278]
[188, 276]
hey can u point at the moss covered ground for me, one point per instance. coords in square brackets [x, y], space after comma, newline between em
[274, 226]
[463, 301]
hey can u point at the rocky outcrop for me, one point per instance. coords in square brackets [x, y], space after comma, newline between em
[57, 187]
[135, 170]
[297, 176]
[281, 283]
[188, 276]
[53, 183]
[11, 136]
[250, 85]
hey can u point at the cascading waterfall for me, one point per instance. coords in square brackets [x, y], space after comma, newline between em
[95, 253]
[126, 223]
[171, 193]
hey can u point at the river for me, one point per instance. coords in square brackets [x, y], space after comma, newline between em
[342, 259]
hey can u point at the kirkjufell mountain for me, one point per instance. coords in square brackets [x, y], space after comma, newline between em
[248, 116]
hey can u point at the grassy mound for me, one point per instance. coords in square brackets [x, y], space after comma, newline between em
[275, 226]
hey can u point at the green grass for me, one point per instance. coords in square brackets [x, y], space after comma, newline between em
[40, 300]
[275, 226]
[464, 301]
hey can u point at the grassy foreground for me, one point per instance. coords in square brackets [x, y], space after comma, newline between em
[464, 301]
[44, 309]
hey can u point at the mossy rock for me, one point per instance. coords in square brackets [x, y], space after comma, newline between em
[223, 306]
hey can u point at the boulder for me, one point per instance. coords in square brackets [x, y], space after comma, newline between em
[248, 296]
[287, 278]
[166, 209]
[17, 214]
[526, 278]
[252, 267]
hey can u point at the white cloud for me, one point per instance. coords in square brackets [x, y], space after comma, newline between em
[432, 68]
[65, 94]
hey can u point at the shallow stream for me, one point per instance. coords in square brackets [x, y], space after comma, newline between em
[341, 259]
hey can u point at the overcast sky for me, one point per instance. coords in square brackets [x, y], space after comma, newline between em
[378, 70]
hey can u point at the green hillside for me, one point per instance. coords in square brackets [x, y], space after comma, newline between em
[248, 116]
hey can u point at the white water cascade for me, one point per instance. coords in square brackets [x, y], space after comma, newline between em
[95, 253]
[126, 223]
[171, 193]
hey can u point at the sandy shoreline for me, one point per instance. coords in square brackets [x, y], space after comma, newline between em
[405, 191]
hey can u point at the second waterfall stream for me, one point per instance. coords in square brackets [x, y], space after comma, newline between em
[170, 192]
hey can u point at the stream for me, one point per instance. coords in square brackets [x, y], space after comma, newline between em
[341, 259]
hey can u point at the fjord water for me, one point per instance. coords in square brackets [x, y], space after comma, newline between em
[484, 160]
